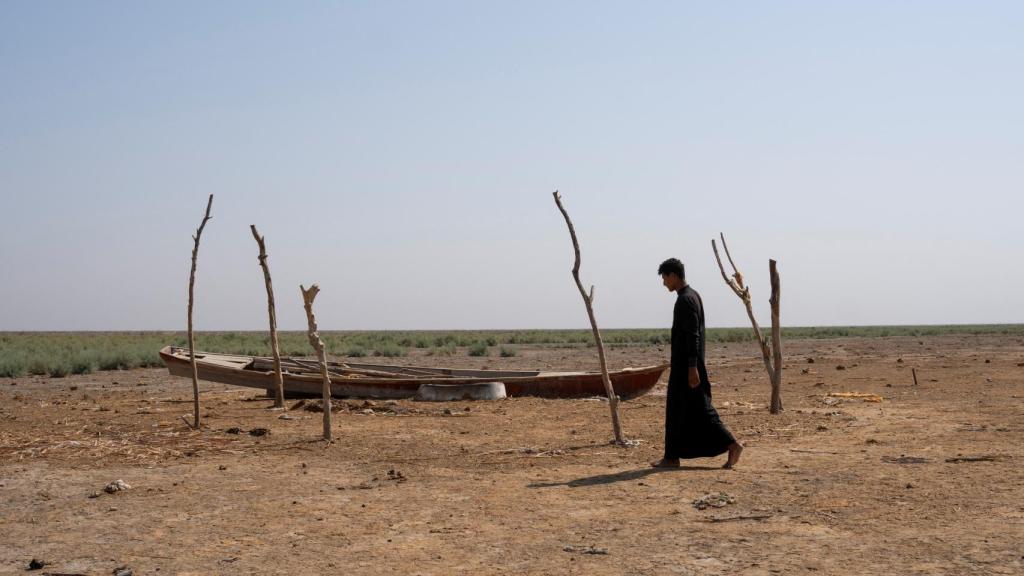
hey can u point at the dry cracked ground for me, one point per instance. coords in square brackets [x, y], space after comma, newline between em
[927, 481]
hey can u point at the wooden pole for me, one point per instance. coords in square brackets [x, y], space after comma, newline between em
[314, 339]
[772, 361]
[776, 402]
[191, 300]
[588, 301]
[274, 345]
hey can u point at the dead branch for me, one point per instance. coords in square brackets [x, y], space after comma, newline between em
[982, 458]
[588, 301]
[275, 347]
[772, 361]
[314, 339]
[191, 300]
[776, 402]
[737, 517]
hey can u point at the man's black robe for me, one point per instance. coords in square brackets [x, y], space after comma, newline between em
[692, 426]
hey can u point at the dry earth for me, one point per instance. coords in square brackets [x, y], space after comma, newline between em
[528, 485]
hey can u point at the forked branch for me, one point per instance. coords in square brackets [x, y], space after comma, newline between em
[314, 339]
[772, 355]
[191, 301]
[588, 301]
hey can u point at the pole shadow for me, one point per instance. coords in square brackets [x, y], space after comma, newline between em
[624, 476]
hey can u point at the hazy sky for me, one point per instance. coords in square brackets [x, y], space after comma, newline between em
[403, 155]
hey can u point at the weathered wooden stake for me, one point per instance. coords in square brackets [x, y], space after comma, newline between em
[772, 355]
[191, 300]
[914, 372]
[314, 339]
[275, 347]
[588, 301]
[776, 403]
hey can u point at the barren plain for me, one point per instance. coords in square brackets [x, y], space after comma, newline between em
[927, 481]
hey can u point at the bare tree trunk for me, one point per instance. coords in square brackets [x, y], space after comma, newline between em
[275, 347]
[776, 403]
[314, 339]
[588, 301]
[191, 300]
[772, 361]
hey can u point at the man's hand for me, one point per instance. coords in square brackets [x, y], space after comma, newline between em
[694, 378]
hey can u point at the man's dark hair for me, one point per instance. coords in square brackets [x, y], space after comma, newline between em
[672, 266]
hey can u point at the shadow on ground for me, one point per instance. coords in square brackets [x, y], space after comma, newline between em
[624, 476]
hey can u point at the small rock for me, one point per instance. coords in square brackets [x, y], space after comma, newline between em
[715, 500]
[116, 486]
[810, 360]
[447, 411]
[805, 371]
[234, 430]
[318, 406]
[36, 564]
[840, 367]
[585, 549]
[899, 360]
[822, 428]
[987, 361]
[222, 467]
[122, 571]
[259, 431]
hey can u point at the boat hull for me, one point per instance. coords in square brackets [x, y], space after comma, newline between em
[229, 369]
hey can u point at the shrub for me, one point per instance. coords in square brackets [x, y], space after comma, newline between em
[507, 352]
[58, 370]
[478, 349]
[390, 351]
[356, 352]
[12, 367]
[38, 368]
[81, 364]
[448, 350]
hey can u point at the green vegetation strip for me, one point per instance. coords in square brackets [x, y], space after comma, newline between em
[62, 353]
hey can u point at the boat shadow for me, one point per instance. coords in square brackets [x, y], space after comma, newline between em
[624, 476]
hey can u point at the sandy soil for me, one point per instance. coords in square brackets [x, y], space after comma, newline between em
[528, 485]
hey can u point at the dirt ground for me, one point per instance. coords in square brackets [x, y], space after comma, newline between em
[832, 486]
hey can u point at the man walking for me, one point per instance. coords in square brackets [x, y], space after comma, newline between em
[692, 426]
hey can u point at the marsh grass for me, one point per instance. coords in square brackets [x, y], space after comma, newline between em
[448, 350]
[390, 351]
[63, 353]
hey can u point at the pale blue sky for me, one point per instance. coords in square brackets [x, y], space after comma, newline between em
[403, 154]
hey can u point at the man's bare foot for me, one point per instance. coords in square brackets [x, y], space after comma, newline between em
[734, 455]
[666, 463]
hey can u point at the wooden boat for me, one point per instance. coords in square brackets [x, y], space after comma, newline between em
[358, 380]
